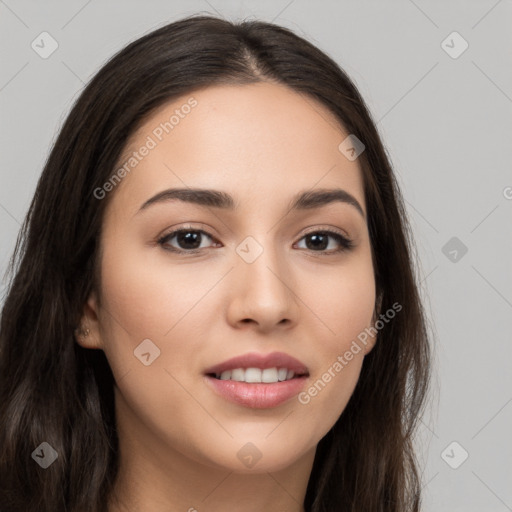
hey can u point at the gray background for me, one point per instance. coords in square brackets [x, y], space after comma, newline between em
[447, 126]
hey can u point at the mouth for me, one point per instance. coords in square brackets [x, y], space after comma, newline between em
[258, 381]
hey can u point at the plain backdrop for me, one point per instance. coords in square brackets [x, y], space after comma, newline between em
[442, 103]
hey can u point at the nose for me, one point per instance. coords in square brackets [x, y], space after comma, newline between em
[262, 294]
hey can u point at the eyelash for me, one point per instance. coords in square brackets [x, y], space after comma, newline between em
[345, 243]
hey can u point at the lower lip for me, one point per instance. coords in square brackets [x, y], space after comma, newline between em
[256, 395]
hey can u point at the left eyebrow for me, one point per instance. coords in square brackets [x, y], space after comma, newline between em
[321, 197]
[304, 200]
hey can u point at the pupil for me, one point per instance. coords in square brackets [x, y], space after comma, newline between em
[188, 237]
[316, 238]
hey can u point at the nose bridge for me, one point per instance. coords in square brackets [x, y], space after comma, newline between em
[263, 289]
[263, 263]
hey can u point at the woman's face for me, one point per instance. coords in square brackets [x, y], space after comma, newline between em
[252, 276]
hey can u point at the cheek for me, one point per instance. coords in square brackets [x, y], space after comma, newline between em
[150, 300]
[144, 297]
[344, 311]
[342, 300]
[149, 296]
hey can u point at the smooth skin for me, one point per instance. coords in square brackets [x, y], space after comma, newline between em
[262, 144]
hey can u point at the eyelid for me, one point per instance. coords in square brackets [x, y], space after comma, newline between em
[330, 229]
[202, 228]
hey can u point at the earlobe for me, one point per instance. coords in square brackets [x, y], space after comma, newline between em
[81, 335]
[87, 334]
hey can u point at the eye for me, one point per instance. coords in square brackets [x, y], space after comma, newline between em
[319, 242]
[188, 240]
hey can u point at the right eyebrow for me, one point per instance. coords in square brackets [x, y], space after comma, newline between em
[201, 197]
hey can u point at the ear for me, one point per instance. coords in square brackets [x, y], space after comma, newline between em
[87, 334]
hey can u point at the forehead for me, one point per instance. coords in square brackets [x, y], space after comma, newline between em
[246, 139]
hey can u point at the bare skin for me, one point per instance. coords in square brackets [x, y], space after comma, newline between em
[262, 144]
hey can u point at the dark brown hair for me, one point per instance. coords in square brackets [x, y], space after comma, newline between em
[53, 390]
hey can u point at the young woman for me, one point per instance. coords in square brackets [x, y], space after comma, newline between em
[214, 304]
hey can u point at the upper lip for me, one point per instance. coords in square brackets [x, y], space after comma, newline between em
[262, 361]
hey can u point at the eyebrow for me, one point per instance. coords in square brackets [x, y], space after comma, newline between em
[305, 200]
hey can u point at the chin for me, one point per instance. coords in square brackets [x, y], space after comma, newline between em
[257, 456]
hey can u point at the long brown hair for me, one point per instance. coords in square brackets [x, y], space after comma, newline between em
[53, 390]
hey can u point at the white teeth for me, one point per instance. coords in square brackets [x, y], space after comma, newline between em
[255, 375]
[238, 374]
[282, 373]
[269, 375]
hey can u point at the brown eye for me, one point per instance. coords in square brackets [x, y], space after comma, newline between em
[187, 240]
[318, 241]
